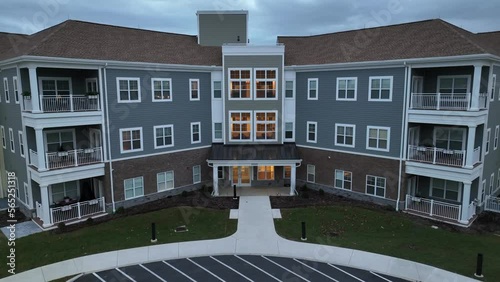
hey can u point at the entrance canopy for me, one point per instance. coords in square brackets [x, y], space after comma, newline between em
[258, 154]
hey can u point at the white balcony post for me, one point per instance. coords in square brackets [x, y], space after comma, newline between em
[79, 211]
[464, 210]
[40, 149]
[434, 152]
[467, 98]
[471, 138]
[293, 176]
[103, 204]
[71, 106]
[438, 101]
[75, 155]
[476, 84]
[215, 176]
[432, 208]
[35, 98]
[45, 216]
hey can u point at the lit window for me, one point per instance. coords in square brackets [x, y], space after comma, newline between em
[194, 89]
[265, 84]
[343, 179]
[131, 139]
[265, 173]
[265, 126]
[240, 84]
[241, 126]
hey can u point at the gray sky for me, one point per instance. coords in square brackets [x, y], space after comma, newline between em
[267, 18]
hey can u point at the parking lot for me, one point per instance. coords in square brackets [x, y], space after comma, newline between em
[236, 268]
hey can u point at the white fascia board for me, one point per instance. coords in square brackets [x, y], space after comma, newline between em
[245, 50]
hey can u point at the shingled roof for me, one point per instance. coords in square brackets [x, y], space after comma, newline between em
[424, 39]
[84, 40]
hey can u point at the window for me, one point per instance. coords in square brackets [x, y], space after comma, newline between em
[16, 91]
[241, 126]
[217, 88]
[162, 89]
[312, 89]
[311, 173]
[164, 136]
[217, 131]
[195, 132]
[498, 179]
[240, 84]
[60, 140]
[495, 141]
[220, 172]
[265, 84]
[380, 88]
[449, 138]
[287, 172]
[488, 137]
[62, 190]
[312, 128]
[131, 139]
[165, 180]
[344, 134]
[11, 138]
[4, 141]
[265, 126]
[21, 143]
[378, 138]
[445, 189]
[289, 131]
[196, 174]
[128, 90]
[60, 86]
[375, 185]
[453, 84]
[492, 181]
[134, 187]
[493, 87]
[347, 88]
[343, 179]
[194, 89]
[26, 194]
[265, 173]
[483, 191]
[289, 89]
[91, 85]
[6, 89]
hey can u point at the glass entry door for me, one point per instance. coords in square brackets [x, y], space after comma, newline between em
[241, 175]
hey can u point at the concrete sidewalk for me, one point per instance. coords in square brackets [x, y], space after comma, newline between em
[255, 235]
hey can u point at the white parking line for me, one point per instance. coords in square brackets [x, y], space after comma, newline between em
[125, 274]
[346, 272]
[98, 277]
[258, 268]
[316, 270]
[206, 270]
[380, 276]
[279, 265]
[178, 271]
[240, 274]
[148, 270]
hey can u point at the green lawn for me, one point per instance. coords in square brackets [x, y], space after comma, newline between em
[126, 232]
[393, 234]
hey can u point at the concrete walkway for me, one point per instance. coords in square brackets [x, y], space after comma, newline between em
[255, 235]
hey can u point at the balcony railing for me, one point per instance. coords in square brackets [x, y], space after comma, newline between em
[65, 103]
[77, 210]
[34, 158]
[445, 101]
[492, 204]
[433, 208]
[435, 155]
[55, 160]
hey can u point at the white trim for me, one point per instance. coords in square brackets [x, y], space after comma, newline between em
[498, 179]
[121, 139]
[483, 192]
[12, 141]
[343, 179]
[293, 89]
[128, 79]
[171, 126]
[6, 91]
[4, 139]
[293, 132]
[199, 174]
[345, 125]
[459, 193]
[16, 89]
[449, 128]
[165, 173]
[391, 90]
[315, 132]
[309, 80]
[348, 152]
[313, 174]
[488, 143]
[378, 128]
[161, 80]
[192, 132]
[45, 132]
[213, 90]
[375, 186]
[240, 122]
[133, 188]
[215, 140]
[492, 183]
[229, 80]
[355, 88]
[493, 87]
[495, 140]
[266, 122]
[21, 142]
[468, 76]
[191, 80]
[265, 80]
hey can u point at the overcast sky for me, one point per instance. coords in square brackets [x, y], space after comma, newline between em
[267, 18]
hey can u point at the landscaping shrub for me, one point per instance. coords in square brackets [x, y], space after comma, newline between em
[321, 192]
[120, 210]
[61, 226]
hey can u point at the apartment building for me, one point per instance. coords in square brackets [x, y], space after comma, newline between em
[94, 117]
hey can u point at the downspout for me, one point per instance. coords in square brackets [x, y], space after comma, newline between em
[109, 138]
[403, 134]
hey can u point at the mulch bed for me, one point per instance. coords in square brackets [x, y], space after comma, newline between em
[4, 216]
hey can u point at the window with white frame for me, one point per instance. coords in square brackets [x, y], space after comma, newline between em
[343, 179]
[493, 87]
[495, 141]
[195, 132]
[16, 90]
[128, 90]
[289, 89]
[375, 185]
[312, 129]
[196, 174]
[240, 126]
[240, 84]
[453, 84]
[380, 88]
[18, 194]
[265, 173]
[60, 191]
[6, 89]
[378, 138]
[11, 138]
[194, 89]
[26, 194]
[265, 84]
[4, 140]
[449, 138]
[265, 126]
[165, 180]
[347, 88]
[488, 137]
[60, 140]
[131, 139]
[164, 136]
[445, 189]
[287, 172]
[312, 89]
[217, 88]
[345, 134]
[289, 136]
[220, 172]
[21, 143]
[134, 187]
[311, 173]
[91, 85]
[492, 182]
[162, 89]
[217, 131]
[59, 86]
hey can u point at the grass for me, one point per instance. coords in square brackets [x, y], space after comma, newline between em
[126, 232]
[393, 234]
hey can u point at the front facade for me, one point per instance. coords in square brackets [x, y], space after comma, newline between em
[88, 129]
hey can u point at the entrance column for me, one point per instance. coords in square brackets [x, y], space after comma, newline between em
[293, 173]
[464, 217]
[215, 176]
[45, 216]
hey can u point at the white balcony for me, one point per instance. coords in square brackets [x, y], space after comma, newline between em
[492, 204]
[446, 101]
[73, 211]
[433, 208]
[65, 159]
[62, 104]
[439, 156]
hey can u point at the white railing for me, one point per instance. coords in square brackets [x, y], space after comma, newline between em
[77, 210]
[34, 158]
[492, 204]
[477, 156]
[441, 101]
[471, 211]
[437, 155]
[483, 100]
[69, 103]
[39, 210]
[27, 104]
[73, 158]
[433, 208]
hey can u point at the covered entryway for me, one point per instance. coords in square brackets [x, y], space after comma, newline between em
[241, 175]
